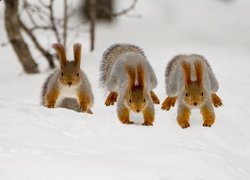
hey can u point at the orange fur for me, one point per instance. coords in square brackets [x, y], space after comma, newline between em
[199, 71]
[208, 117]
[183, 118]
[186, 72]
[216, 100]
[51, 97]
[149, 117]
[140, 74]
[77, 54]
[84, 101]
[154, 97]
[123, 115]
[111, 99]
[169, 101]
[131, 76]
[60, 49]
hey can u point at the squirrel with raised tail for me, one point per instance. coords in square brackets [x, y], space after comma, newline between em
[68, 87]
[190, 80]
[130, 80]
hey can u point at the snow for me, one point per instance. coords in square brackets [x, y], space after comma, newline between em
[40, 143]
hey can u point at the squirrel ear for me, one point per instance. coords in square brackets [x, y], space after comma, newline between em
[140, 75]
[199, 71]
[61, 53]
[77, 54]
[131, 76]
[186, 72]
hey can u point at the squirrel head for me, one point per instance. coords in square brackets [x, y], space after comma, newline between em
[70, 72]
[136, 98]
[194, 92]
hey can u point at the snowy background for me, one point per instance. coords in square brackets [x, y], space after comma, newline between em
[40, 143]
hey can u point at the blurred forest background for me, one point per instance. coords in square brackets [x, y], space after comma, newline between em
[31, 24]
[35, 17]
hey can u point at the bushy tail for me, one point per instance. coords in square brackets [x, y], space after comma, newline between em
[111, 55]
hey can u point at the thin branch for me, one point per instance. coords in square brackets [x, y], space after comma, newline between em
[123, 12]
[40, 28]
[65, 23]
[45, 53]
[52, 21]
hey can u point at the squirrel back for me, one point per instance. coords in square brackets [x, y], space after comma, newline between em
[174, 73]
[111, 55]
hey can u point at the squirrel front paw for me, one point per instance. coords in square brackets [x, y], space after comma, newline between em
[208, 123]
[128, 122]
[83, 107]
[50, 105]
[183, 123]
[216, 100]
[154, 98]
[147, 124]
[111, 99]
[169, 101]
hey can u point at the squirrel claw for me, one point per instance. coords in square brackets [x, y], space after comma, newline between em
[89, 111]
[207, 124]
[84, 108]
[111, 99]
[128, 122]
[184, 124]
[147, 124]
[169, 101]
[217, 102]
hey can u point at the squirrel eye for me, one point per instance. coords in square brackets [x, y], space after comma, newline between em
[186, 94]
[202, 94]
[130, 101]
[77, 74]
[62, 74]
[144, 100]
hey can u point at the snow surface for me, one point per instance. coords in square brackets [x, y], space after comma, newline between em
[40, 143]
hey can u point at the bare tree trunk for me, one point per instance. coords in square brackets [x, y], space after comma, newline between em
[92, 23]
[13, 31]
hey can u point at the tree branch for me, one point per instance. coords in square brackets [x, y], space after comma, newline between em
[45, 53]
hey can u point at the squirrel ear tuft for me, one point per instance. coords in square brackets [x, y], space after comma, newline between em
[140, 76]
[77, 54]
[199, 71]
[131, 76]
[60, 49]
[186, 72]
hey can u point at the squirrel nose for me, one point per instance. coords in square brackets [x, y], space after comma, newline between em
[69, 83]
[195, 103]
[138, 110]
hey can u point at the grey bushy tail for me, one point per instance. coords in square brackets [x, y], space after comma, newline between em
[110, 56]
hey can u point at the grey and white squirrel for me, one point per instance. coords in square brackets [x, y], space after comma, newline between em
[190, 79]
[130, 80]
[68, 87]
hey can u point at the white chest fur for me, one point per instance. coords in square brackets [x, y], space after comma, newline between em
[67, 92]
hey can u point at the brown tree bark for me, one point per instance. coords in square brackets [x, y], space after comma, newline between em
[13, 31]
[92, 23]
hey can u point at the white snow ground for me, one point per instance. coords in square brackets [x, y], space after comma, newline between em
[40, 143]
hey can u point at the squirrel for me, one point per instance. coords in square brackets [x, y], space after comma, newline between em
[190, 79]
[68, 87]
[130, 80]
